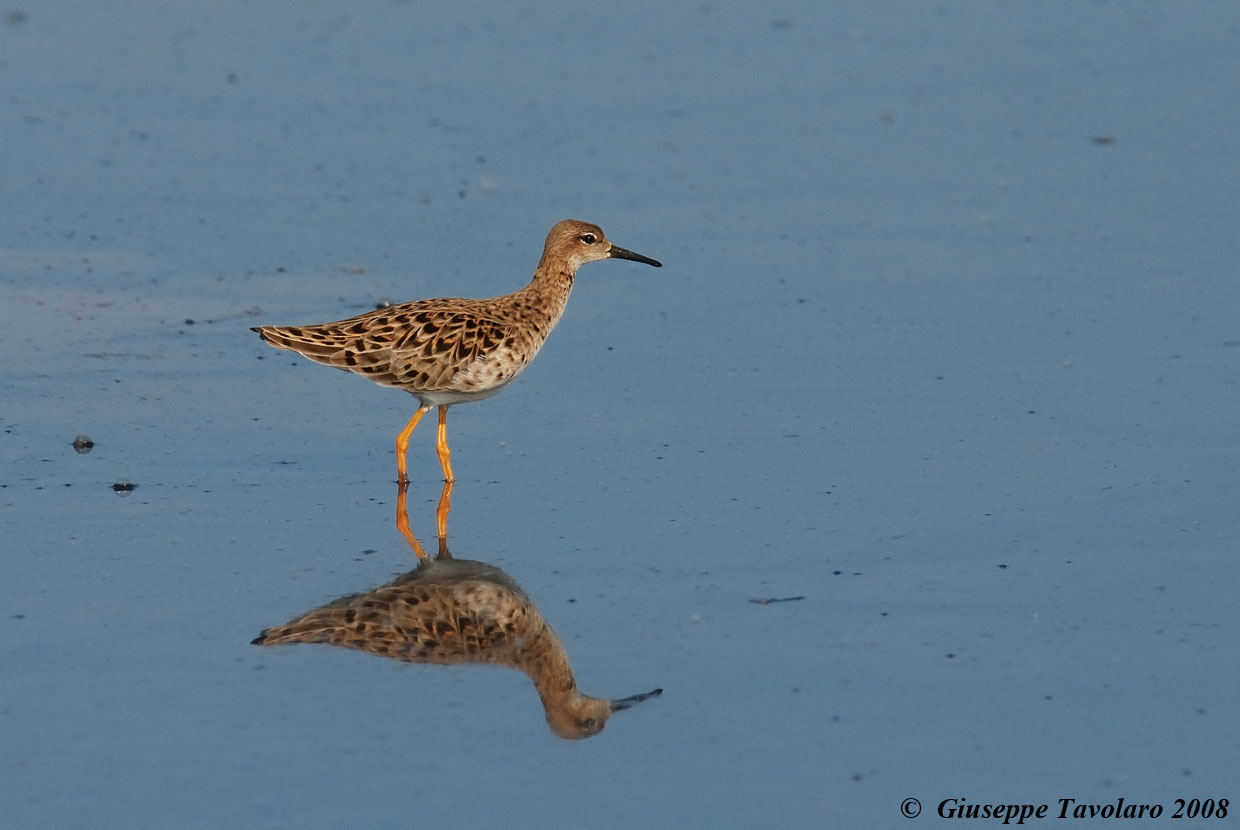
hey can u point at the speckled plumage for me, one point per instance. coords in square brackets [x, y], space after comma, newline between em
[452, 611]
[453, 350]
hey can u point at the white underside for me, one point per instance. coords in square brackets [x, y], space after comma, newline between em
[448, 397]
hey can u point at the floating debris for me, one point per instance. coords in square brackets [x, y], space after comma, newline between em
[123, 486]
[769, 600]
[83, 444]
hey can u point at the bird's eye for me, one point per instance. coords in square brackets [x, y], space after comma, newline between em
[588, 238]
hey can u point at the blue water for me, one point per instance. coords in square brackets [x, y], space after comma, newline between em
[945, 343]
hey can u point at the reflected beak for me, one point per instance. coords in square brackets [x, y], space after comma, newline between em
[617, 252]
[630, 702]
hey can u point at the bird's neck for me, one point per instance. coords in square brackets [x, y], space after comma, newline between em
[544, 660]
[547, 294]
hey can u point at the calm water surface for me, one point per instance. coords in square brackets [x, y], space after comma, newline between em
[944, 346]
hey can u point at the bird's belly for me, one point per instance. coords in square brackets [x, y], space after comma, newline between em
[478, 379]
[447, 397]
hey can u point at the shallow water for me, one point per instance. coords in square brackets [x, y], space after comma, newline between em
[944, 344]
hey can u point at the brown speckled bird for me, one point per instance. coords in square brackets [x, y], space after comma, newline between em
[449, 351]
[452, 611]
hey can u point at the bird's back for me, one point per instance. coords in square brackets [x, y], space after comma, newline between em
[471, 347]
[443, 612]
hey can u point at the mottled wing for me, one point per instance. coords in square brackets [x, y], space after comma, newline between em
[417, 346]
[416, 622]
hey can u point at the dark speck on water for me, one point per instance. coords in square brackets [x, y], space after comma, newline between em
[123, 486]
[83, 444]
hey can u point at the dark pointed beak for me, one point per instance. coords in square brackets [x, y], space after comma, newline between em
[617, 252]
[630, 702]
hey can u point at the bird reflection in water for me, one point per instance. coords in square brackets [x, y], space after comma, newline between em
[453, 611]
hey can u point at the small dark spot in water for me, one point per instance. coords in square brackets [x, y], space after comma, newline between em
[836, 573]
[15, 17]
[83, 444]
[1003, 566]
[769, 600]
[231, 77]
[951, 655]
[1104, 140]
[19, 616]
[123, 486]
[189, 321]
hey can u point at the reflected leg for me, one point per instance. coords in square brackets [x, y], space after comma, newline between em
[441, 519]
[402, 521]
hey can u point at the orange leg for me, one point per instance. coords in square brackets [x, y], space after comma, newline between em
[402, 443]
[441, 446]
